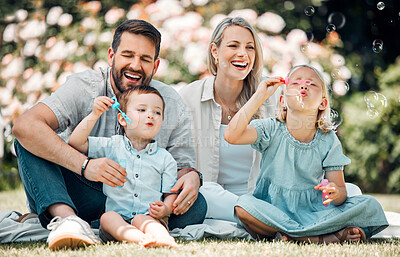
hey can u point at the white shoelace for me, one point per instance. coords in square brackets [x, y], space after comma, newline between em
[54, 223]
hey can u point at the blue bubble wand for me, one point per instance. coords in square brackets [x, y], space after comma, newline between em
[116, 105]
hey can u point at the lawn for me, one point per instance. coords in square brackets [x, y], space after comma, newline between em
[15, 200]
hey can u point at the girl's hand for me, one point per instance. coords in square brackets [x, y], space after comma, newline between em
[101, 104]
[158, 210]
[268, 86]
[331, 190]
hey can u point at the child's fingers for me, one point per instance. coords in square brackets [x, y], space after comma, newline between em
[327, 201]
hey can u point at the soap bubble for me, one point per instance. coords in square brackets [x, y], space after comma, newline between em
[338, 19]
[376, 102]
[330, 28]
[296, 93]
[380, 6]
[335, 118]
[335, 74]
[304, 48]
[377, 45]
[309, 11]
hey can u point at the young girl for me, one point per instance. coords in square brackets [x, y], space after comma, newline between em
[151, 171]
[299, 149]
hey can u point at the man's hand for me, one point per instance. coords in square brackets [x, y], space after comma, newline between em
[106, 171]
[189, 183]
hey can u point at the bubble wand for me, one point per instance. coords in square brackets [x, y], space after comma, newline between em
[116, 105]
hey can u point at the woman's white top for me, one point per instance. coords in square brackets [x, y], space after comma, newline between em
[234, 165]
[206, 123]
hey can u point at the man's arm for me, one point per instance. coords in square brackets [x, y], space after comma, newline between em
[35, 131]
[35, 128]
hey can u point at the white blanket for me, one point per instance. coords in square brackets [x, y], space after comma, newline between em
[31, 230]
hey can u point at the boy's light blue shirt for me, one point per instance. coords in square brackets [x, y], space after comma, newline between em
[150, 173]
[73, 101]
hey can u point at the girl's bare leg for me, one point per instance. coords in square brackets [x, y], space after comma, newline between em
[116, 226]
[155, 233]
[256, 228]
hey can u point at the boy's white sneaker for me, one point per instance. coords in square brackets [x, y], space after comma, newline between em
[70, 232]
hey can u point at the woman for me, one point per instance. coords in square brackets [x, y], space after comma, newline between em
[235, 61]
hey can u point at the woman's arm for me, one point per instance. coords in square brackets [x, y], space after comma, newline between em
[239, 131]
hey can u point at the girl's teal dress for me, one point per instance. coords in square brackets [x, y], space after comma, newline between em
[285, 197]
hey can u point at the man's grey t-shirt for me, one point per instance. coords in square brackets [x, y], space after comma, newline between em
[73, 101]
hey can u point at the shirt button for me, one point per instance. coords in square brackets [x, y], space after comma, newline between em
[136, 175]
[138, 156]
[136, 195]
[133, 213]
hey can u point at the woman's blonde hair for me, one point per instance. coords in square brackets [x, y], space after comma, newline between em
[252, 80]
[324, 122]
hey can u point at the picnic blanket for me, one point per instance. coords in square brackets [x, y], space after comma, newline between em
[30, 230]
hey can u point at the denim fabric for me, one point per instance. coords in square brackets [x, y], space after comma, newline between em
[47, 183]
[195, 215]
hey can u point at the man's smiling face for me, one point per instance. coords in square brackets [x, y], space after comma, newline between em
[133, 63]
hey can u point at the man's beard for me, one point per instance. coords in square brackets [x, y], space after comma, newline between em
[118, 76]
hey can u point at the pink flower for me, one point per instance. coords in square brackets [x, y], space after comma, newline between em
[248, 14]
[271, 22]
[30, 47]
[216, 19]
[65, 20]
[14, 69]
[21, 14]
[32, 29]
[113, 15]
[10, 33]
[53, 15]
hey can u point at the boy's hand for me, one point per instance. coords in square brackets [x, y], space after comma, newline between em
[331, 190]
[158, 210]
[101, 104]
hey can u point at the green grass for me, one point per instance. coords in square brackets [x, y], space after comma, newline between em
[15, 200]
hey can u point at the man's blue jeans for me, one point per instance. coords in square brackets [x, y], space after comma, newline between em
[47, 183]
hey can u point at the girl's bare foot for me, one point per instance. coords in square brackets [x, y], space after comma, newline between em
[348, 234]
[151, 241]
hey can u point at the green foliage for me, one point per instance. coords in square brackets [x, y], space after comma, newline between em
[373, 144]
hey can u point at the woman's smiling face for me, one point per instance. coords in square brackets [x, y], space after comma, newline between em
[235, 54]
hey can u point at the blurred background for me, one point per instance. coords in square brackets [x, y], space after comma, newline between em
[354, 42]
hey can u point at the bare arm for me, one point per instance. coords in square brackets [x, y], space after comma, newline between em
[336, 187]
[34, 129]
[238, 131]
[79, 137]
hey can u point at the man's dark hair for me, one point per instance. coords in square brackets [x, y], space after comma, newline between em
[138, 27]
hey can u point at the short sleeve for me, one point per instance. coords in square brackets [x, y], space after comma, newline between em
[334, 159]
[265, 128]
[70, 103]
[99, 147]
[170, 173]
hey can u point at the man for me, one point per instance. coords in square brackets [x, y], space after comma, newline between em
[61, 183]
